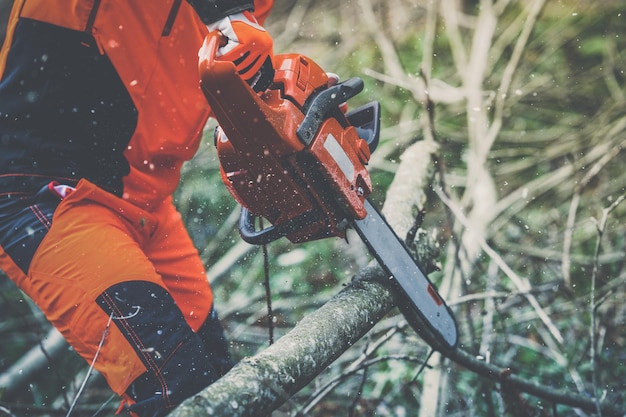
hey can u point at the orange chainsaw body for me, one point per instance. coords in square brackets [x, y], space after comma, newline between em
[306, 183]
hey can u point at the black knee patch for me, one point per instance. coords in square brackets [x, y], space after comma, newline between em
[177, 362]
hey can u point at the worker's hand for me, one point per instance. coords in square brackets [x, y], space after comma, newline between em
[248, 45]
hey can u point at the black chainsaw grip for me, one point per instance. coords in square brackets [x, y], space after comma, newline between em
[366, 120]
[248, 232]
[264, 78]
[315, 112]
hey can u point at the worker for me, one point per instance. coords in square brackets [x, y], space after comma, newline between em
[100, 106]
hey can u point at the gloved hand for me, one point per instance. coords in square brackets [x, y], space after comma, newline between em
[248, 45]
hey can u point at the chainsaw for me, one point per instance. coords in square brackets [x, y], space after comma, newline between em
[293, 155]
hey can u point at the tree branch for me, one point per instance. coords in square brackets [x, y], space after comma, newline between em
[32, 362]
[262, 383]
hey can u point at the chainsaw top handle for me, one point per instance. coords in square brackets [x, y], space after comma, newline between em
[323, 104]
[208, 52]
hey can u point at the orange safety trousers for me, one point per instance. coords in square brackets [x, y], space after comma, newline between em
[94, 242]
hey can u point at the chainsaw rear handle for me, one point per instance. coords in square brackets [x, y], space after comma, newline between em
[366, 120]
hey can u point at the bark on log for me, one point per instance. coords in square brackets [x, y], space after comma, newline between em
[262, 383]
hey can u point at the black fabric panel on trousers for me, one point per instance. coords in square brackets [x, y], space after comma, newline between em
[178, 364]
[24, 222]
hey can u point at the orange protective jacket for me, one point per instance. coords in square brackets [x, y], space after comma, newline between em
[136, 149]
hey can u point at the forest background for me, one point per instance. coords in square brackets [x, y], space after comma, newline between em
[504, 125]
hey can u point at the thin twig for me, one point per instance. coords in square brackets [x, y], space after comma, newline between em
[91, 366]
[424, 365]
[268, 292]
[522, 285]
[601, 227]
[451, 18]
[430, 34]
[566, 260]
[6, 412]
[486, 339]
[293, 24]
[571, 217]
[391, 60]
[359, 392]
[507, 77]
[357, 365]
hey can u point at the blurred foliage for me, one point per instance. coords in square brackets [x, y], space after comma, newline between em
[563, 118]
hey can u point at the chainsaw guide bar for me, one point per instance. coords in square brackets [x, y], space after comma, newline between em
[416, 288]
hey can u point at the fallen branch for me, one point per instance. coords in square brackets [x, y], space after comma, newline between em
[260, 384]
[34, 361]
